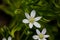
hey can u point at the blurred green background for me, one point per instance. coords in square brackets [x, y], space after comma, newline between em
[12, 12]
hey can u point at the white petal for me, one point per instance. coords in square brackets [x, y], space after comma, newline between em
[44, 31]
[39, 39]
[9, 38]
[30, 25]
[37, 31]
[33, 13]
[37, 24]
[44, 39]
[46, 36]
[27, 15]
[35, 37]
[37, 18]
[4, 39]
[25, 21]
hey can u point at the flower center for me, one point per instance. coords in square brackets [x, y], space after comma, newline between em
[31, 20]
[41, 36]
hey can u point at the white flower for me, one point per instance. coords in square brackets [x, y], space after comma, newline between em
[9, 38]
[4, 39]
[40, 35]
[32, 20]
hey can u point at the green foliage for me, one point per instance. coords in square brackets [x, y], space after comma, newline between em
[48, 9]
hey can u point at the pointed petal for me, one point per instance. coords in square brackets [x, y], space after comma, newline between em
[30, 25]
[44, 31]
[35, 37]
[33, 13]
[27, 15]
[25, 21]
[9, 38]
[46, 36]
[37, 31]
[37, 18]
[37, 24]
[39, 39]
[44, 39]
[4, 39]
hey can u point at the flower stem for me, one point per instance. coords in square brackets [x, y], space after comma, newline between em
[23, 32]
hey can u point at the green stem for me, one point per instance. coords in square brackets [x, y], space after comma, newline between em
[17, 36]
[23, 32]
[27, 37]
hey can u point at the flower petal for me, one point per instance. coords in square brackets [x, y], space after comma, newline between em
[9, 38]
[37, 24]
[39, 39]
[44, 31]
[4, 39]
[33, 13]
[27, 15]
[35, 37]
[30, 25]
[44, 39]
[46, 36]
[25, 21]
[37, 31]
[37, 18]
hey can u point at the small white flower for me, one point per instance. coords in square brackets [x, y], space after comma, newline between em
[4, 39]
[40, 35]
[32, 20]
[9, 38]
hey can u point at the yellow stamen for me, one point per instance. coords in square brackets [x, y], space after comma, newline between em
[41, 36]
[31, 20]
